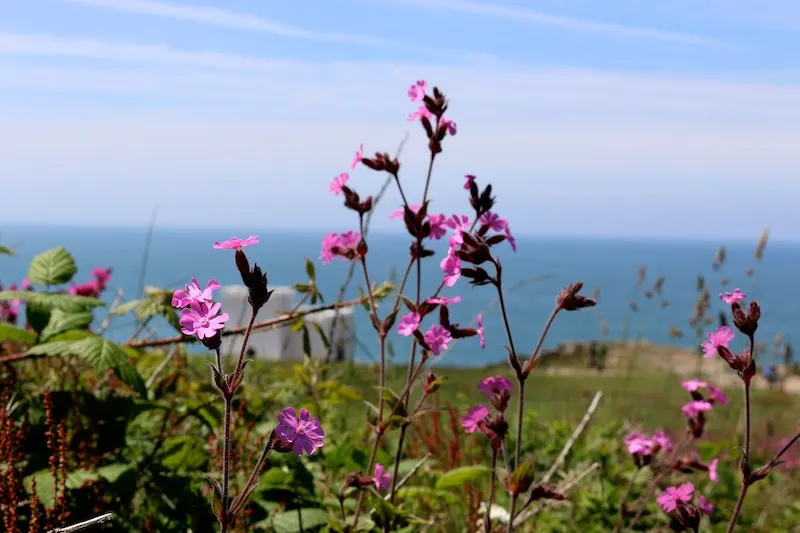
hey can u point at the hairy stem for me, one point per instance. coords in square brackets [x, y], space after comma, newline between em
[623, 500]
[491, 492]
[746, 458]
[226, 467]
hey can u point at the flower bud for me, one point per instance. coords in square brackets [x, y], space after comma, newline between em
[569, 299]
[521, 479]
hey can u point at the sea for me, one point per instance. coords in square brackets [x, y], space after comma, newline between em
[169, 258]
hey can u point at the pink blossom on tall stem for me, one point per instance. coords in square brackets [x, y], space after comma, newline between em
[340, 244]
[358, 157]
[495, 384]
[451, 126]
[381, 478]
[716, 395]
[457, 224]
[443, 300]
[721, 337]
[493, 221]
[438, 226]
[732, 297]
[417, 91]
[451, 266]
[409, 324]
[470, 180]
[674, 496]
[421, 111]
[481, 332]
[692, 409]
[339, 182]
[704, 505]
[305, 434]
[236, 243]
[194, 294]
[472, 420]
[693, 385]
[638, 443]
[26, 284]
[712, 469]
[437, 338]
[202, 320]
[400, 212]
[661, 439]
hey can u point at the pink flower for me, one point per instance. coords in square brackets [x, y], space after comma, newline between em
[694, 408]
[26, 284]
[472, 420]
[494, 384]
[358, 157]
[451, 126]
[438, 226]
[194, 294]
[201, 319]
[101, 275]
[451, 266]
[402, 211]
[339, 182]
[305, 434]
[732, 297]
[343, 245]
[721, 337]
[494, 221]
[704, 505]
[693, 385]
[409, 324]
[481, 332]
[422, 111]
[712, 469]
[382, 479]
[717, 396]
[638, 443]
[661, 438]
[457, 224]
[90, 288]
[437, 338]
[674, 496]
[470, 179]
[236, 244]
[444, 300]
[417, 91]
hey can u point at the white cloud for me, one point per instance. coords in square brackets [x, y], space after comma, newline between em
[569, 23]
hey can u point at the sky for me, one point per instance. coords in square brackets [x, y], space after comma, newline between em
[638, 118]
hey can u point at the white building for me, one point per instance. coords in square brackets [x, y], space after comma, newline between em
[283, 344]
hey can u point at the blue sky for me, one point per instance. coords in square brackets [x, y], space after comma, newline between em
[640, 118]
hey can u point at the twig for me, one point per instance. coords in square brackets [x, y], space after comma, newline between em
[575, 434]
[410, 474]
[161, 366]
[525, 515]
[80, 526]
[107, 320]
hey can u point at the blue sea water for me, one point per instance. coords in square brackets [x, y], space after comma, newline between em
[547, 263]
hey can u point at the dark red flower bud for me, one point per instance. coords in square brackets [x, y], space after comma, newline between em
[569, 299]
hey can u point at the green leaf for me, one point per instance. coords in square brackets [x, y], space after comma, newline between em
[5, 250]
[312, 275]
[458, 477]
[61, 322]
[290, 521]
[306, 341]
[127, 307]
[131, 377]
[37, 316]
[53, 267]
[50, 301]
[15, 334]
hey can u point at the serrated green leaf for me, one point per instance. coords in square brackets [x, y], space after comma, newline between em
[458, 477]
[50, 301]
[299, 520]
[52, 267]
[61, 322]
[15, 334]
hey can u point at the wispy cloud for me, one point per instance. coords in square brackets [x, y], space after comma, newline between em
[570, 23]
